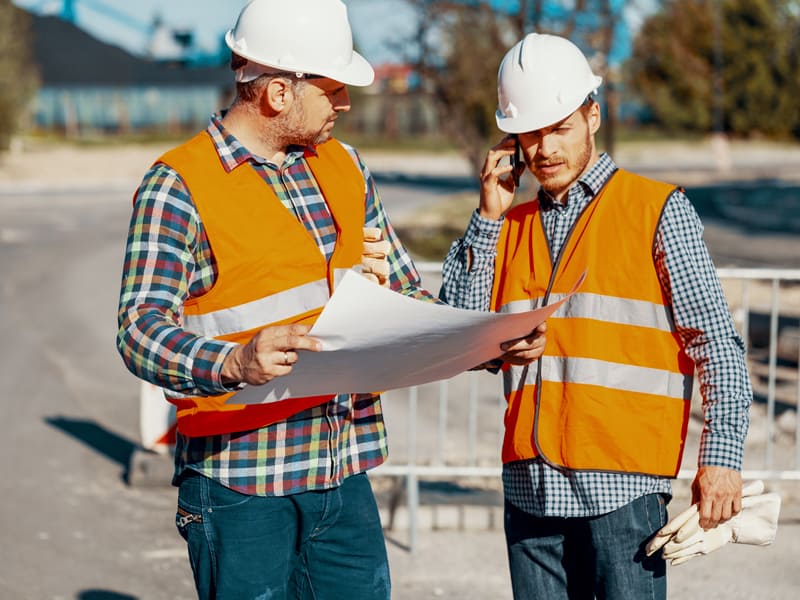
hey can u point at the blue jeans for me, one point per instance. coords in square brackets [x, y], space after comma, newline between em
[320, 545]
[577, 558]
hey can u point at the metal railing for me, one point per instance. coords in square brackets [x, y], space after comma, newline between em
[453, 428]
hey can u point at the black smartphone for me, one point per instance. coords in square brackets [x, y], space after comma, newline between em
[516, 159]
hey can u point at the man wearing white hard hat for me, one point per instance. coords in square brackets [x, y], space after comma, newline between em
[236, 241]
[595, 429]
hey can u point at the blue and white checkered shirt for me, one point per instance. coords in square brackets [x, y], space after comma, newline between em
[703, 321]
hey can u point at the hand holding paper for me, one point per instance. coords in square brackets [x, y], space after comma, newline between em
[376, 339]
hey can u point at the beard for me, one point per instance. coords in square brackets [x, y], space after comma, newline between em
[293, 130]
[573, 168]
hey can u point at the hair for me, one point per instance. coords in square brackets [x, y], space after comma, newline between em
[251, 90]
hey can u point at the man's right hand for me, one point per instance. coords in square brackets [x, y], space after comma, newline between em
[497, 186]
[271, 353]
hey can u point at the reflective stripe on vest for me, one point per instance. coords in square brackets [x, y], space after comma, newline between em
[269, 269]
[590, 371]
[624, 311]
[281, 306]
[612, 390]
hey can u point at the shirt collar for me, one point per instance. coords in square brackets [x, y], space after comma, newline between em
[232, 153]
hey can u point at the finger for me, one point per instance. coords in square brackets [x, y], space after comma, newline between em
[372, 234]
[303, 342]
[379, 249]
[710, 512]
[371, 277]
[291, 342]
[379, 267]
[530, 343]
[285, 358]
[493, 158]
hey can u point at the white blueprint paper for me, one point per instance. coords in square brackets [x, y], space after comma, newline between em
[374, 339]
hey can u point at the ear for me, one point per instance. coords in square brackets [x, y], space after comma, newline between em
[593, 117]
[277, 96]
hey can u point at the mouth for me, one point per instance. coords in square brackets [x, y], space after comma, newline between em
[549, 168]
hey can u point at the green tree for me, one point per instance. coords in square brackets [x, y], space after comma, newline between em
[724, 65]
[18, 78]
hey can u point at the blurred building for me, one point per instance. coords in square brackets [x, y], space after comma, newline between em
[87, 86]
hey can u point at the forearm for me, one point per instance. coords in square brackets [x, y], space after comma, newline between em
[468, 271]
[158, 351]
[166, 261]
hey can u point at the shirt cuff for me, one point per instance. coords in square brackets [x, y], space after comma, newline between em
[207, 367]
[716, 451]
[482, 234]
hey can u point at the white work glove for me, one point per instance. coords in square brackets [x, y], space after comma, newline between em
[374, 262]
[757, 523]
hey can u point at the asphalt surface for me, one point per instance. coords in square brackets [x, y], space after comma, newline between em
[72, 528]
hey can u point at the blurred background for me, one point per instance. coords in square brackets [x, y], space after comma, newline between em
[701, 93]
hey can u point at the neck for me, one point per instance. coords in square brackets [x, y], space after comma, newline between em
[562, 195]
[247, 125]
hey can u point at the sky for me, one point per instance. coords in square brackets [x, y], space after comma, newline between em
[124, 22]
[375, 23]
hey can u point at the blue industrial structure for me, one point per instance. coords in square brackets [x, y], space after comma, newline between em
[87, 85]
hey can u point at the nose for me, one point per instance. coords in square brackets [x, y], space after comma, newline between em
[546, 146]
[341, 101]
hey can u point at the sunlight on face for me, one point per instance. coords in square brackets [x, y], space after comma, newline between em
[558, 155]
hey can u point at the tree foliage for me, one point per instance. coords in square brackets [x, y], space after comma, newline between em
[458, 47]
[722, 65]
[17, 71]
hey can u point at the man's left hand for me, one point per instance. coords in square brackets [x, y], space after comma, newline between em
[526, 350]
[718, 492]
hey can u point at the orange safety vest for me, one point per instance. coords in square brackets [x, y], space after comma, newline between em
[612, 390]
[270, 271]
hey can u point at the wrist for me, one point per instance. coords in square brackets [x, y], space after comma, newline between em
[231, 372]
[491, 215]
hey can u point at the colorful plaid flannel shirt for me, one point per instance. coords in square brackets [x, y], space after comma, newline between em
[168, 259]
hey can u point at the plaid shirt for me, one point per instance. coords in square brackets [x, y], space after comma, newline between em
[703, 322]
[168, 259]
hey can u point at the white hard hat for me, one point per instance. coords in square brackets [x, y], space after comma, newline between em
[542, 80]
[298, 36]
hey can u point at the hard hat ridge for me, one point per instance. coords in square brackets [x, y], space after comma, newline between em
[541, 80]
[299, 36]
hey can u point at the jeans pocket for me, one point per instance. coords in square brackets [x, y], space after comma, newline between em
[184, 518]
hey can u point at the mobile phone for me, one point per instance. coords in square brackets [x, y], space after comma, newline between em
[516, 159]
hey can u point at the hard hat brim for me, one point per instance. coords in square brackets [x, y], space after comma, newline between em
[358, 72]
[525, 123]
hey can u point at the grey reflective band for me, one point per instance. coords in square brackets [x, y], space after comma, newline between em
[519, 306]
[276, 307]
[611, 309]
[590, 371]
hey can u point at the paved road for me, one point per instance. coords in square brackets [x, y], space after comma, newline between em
[73, 529]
